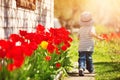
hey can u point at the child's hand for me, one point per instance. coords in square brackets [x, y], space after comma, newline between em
[101, 38]
[105, 37]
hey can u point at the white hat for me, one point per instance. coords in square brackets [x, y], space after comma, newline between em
[86, 19]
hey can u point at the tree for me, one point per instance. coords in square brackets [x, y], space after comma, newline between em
[68, 11]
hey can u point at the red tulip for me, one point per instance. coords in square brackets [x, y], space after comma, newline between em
[50, 48]
[22, 32]
[105, 36]
[58, 65]
[113, 35]
[4, 47]
[48, 58]
[64, 47]
[11, 67]
[40, 28]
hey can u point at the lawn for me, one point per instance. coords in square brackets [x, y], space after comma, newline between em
[106, 58]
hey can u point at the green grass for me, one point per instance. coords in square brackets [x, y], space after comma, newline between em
[106, 58]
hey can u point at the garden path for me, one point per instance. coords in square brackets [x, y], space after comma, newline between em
[73, 75]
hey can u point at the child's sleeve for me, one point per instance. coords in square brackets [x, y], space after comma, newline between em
[93, 30]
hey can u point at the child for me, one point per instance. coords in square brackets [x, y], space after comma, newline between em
[86, 44]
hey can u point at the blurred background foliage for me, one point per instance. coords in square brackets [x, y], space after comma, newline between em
[68, 11]
[105, 12]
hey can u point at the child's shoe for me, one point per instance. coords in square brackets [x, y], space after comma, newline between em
[91, 72]
[81, 72]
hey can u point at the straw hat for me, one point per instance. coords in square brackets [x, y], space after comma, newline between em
[86, 19]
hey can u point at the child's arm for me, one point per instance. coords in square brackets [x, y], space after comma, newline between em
[97, 36]
[93, 33]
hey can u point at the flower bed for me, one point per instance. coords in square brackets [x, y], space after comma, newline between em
[39, 55]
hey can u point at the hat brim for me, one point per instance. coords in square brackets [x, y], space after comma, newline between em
[86, 23]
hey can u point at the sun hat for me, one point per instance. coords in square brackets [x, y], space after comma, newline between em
[86, 19]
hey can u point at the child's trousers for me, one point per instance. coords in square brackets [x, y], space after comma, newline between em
[85, 60]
